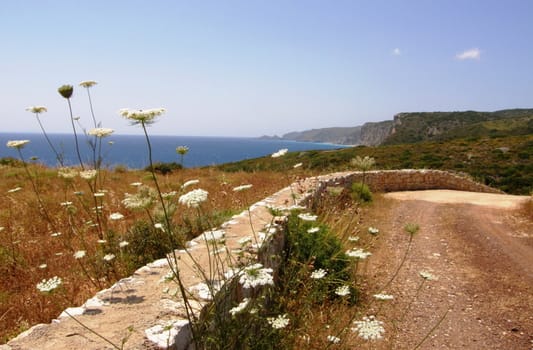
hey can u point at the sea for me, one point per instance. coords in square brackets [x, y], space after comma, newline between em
[131, 151]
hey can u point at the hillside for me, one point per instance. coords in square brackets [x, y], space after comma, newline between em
[424, 126]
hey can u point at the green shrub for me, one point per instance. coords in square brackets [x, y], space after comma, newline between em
[361, 192]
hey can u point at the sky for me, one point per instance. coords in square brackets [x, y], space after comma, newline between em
[254, 67]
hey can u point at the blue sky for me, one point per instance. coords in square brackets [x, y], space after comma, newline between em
[248, 68]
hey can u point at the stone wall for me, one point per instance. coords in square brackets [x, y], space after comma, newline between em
[145, 301]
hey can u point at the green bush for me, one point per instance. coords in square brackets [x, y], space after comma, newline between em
[361, 192]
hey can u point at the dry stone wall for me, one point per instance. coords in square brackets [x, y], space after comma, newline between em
[148, 305]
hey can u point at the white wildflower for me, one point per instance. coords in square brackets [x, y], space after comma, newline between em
[318, 274]
[43, 266]
[65, 204]
[123, 244]
[333, 339]
[168, 195]
[88, 174]
[67, 173]
[428, 276]
[159, 226]
[193, 198]
[136, 184]
[37, 109]
[101, 241]
[13, 190]
[56, 234]
[358, 253]
[373, 231]
[242, 188]
[88, 83]
[116, 216]
[99, 194]
[255, 275]
[140, 116]
[307, 217]
[278, 322]
[353, 238]
[297, 165]
[280, 153]
[100, 132]
[190, 183]
[313, 230]
[17, 143]
[239, 308]
[46, 286]
[369, 328]
[343, 291]
[80, 254]
[109, 257]
[382, 296]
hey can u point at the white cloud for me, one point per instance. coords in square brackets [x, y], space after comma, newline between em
[396, 52]
[472, 54]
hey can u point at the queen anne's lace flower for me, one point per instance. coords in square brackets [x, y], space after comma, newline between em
[46, 286]
[342, 291]
[280, 153]
[358, 253]
[109, 257]
[242, 188]
[88, 174]
[255, 275]
[67, 173]
[382, 296]
[17, 143]
[373, 231]
[88, 83]
[369, 328]
[333, 339]
[140, 116]
[193, 198]
[307, 217]
[278, 322]
[318, 274]
[239, 308]
[189, 183]
[37, 109]
[123, 244]
[116, 216]
[313, 230]
[79, 254]
[100, 132]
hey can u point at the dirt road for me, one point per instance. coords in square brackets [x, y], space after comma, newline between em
[481, 251]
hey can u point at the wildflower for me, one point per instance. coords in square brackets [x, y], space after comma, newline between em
[123, 244]
[182, 150]
[46, 286]
[358, 253]
[318, 274]
[255, 275]
[79, 254]
[67, 173]
[59, 254]
[65, 204]
[307, 217]
[143, 199]
[140, 116]
[88, 83]
[116, 216]
[99, 194]
[37, 109]
[242, 188]
[369, 328]
[313, 230]
[333, 339]
[13, 190]
[56, 234]
[109, 257]
[43, 266]
[18, 144]
[280, 153]
[343, 291]
[193, 198]
[189, 183]
[242, 305]
[428, 276]
[136, 184]
[373, 231]
[159, 226]
[88, 174]
[101, 241]
[167, 195]
[353, 238]
[382, 296]
[100, 132]
[297, 165]
[278, 322]
[66, 91]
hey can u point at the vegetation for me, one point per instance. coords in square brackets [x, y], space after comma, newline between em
[501, 162]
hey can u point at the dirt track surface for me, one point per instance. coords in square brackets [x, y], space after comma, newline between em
[481, 250]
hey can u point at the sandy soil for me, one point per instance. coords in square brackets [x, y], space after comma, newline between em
[481, 250]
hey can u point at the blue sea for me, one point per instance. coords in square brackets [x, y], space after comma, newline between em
[132, 151]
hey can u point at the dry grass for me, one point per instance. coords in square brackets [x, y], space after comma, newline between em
[26, 238]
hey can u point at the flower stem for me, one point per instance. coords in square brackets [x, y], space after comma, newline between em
[75, 134]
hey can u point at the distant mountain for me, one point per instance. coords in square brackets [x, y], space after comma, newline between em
[423, 126]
